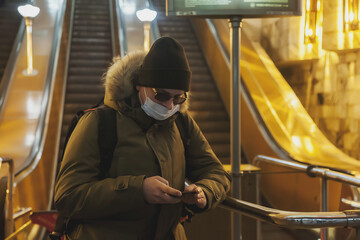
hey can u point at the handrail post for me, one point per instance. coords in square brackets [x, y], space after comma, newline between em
[9, 221]
[324, 206]
[235, 44]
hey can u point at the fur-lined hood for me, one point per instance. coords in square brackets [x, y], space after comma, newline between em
[119, 79]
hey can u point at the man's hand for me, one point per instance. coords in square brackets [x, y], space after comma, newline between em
[157, 190]
[194, 195]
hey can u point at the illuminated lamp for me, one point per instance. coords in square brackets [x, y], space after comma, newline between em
[351, 15]
[146, 16]
[29, 12]
[312, 15]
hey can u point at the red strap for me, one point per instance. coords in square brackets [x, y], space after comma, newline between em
[45, 219]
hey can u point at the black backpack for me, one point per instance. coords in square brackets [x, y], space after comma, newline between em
[107, 139]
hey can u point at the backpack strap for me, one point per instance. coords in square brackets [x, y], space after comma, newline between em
[184, 132]
[187, 212]
[107, 137]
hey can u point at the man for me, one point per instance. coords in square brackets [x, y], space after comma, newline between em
[145, 193]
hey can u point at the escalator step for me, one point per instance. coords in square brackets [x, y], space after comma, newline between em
[200, 115]
[91, 41]
[86, 48]
[93, 17]
[101, 63]
[205, 96]
[214, 126]
[185, 41]
[200, 78]
[178, 35]
[98, 13]
[88, 88]
[67, 118]
[175, 22]
[195, 55]
[11, 28]
[85, 70]
[199, 70]
[73, 108]
[11, 20]
[218, 137]
[196, 62]
[84, 79]
[92, 22]
[6, 40]
[202, 86]
[91, 55]
[168, 29]
[90, 7]
[86, 34]
[191, 48]
[84, 97]
[89, 28]
[206, 105]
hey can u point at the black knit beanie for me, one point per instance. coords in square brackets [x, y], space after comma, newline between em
[165, 66]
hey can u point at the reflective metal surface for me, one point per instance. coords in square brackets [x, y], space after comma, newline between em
[9, 71]
[290, 219]
[8, 207]
[24, 116]
[315, 171]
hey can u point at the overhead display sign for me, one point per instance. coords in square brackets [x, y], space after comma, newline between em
[228, 8]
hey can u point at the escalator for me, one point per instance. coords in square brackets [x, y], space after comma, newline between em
[90, 54]
[206, 106]
[9, 24]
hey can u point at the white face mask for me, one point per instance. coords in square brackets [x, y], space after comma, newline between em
[158, 111]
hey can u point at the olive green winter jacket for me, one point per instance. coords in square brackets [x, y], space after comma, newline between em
[115, 208]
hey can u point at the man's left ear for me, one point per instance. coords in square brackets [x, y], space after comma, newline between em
[137, 88]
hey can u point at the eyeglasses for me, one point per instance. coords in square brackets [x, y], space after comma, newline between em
[164, 97]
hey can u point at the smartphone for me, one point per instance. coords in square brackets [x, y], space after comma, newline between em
[188, 193]
[183, 194]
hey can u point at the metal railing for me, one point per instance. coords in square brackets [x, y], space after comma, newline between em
[314, 171]
[10, 66]
[8, 208]
[291, 219]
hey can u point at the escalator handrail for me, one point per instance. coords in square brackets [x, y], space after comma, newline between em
[36, 151]
[122, 32]
[154, 30]
[112, 26]
[313, 171]
[291, 219]
[10, 66]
